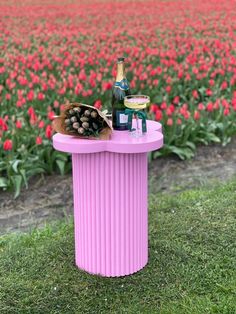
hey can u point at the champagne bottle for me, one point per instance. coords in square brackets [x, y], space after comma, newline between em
[119, 91]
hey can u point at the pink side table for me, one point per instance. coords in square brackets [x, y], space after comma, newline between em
[110, 200]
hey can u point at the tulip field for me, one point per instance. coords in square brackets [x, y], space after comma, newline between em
[180, 53]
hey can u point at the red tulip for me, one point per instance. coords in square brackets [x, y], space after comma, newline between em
[163, 105]
[51, 115]
[41, 124]
[176, 100]
[169, 122]
[168, 89]
[39, 140]
[106, 86]
[179, 121]
[158, 115]
[30, 95]
[40, 96]
[201, 106]
[155, 82]
[211, 82]
[31, 111]
[195, 94]
[153, 108]
[226, 112]
[7, 145]
[98, 104]
[186, 115]
[56, 104]
[210, 107]
[48, 131]
[18, 124]
[19, 103]
[196, 115]
[209, 92]
[169, 112]
[224, 85]
[225, 103]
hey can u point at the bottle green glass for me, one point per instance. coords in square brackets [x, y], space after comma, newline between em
[119, 91]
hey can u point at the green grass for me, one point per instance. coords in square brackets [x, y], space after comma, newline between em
[192, 264]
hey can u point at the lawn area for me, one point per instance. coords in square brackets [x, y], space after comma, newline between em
[192, 263]
[181, 53]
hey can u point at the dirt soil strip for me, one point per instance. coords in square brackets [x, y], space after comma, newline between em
[50, 198]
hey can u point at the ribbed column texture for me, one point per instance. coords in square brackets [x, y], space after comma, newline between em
[110, 212]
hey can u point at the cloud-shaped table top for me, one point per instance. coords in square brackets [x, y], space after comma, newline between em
[120, 142]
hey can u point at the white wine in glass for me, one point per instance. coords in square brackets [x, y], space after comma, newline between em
[136, 103]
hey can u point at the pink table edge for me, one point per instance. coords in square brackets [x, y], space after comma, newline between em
[120, 142]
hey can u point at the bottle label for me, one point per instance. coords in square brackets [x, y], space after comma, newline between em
[121, 118]
[123, 84]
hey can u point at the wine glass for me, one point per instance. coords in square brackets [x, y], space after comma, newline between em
[136, 105]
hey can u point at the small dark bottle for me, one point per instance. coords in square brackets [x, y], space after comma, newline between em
[119, 91]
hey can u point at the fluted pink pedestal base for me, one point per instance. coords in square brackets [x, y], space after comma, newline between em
[110, 200]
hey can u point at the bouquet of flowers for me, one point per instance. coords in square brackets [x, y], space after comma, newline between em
[83, 121]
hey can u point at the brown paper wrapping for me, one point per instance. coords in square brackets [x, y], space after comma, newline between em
[60, 126]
